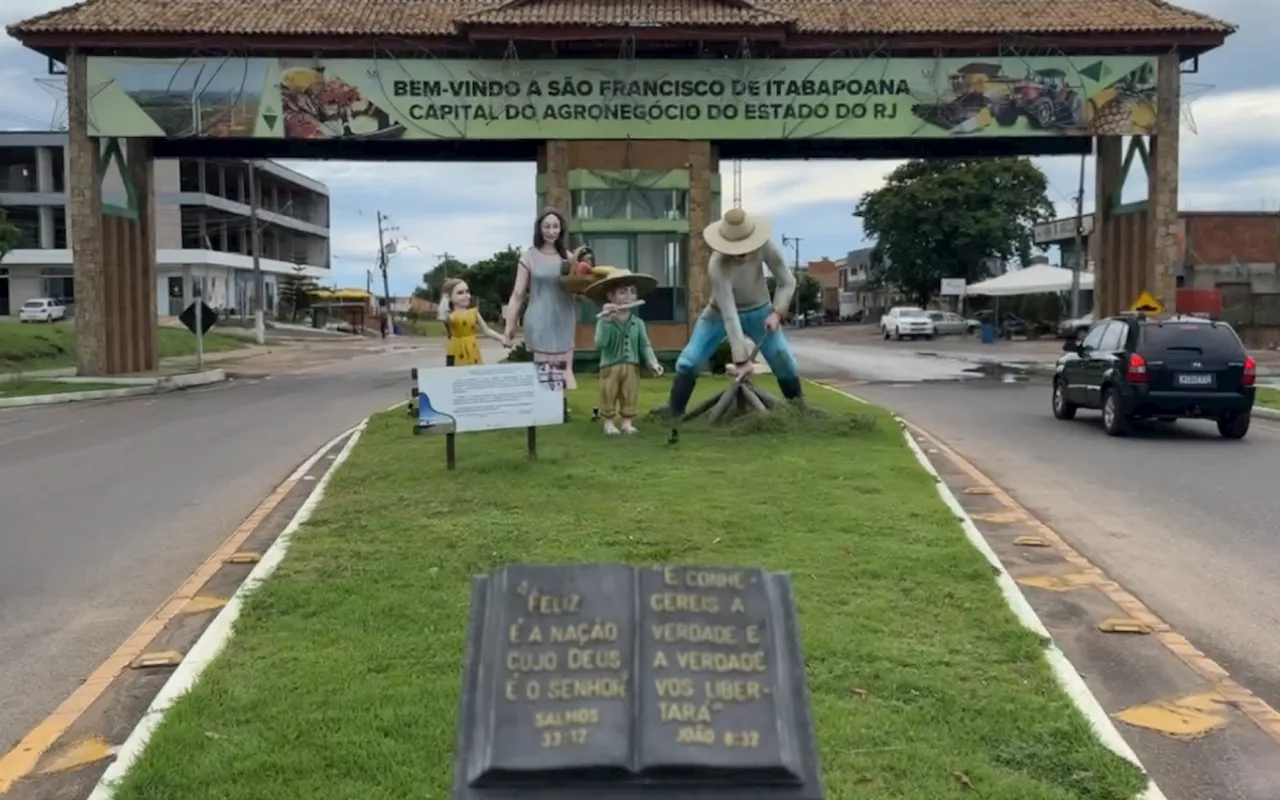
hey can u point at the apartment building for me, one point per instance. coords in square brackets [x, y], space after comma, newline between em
[203, 224]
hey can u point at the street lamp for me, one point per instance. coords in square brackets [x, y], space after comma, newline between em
[794, 243]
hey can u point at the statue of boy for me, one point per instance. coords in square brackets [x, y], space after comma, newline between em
[622, 342]
[740, 307]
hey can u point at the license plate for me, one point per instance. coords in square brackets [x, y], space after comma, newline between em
[1195, 379]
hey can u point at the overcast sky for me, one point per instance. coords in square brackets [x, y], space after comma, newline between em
[1230, 160]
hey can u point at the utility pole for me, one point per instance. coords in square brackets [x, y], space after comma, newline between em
[1078, 263]
[794, 243]
[386, 282]
[255, 244]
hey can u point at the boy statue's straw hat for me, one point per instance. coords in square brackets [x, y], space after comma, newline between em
[599, 291]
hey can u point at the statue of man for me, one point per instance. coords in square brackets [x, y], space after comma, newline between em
[740, 308]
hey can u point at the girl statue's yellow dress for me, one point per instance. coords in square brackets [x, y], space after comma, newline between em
[463, 345]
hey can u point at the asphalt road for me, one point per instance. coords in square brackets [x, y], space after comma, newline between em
[105, 508]
[1185, 520]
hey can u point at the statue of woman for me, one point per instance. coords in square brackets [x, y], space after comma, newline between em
[552, 313]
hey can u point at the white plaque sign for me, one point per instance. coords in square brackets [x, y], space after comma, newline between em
[489, 397]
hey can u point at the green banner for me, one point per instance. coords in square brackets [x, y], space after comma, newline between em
[614, 99]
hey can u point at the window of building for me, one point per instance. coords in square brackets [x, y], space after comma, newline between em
[658, 204]
[212, 178]
[662, 255]
[18, 169]
[189, 170]
[599, 204]
[630, 203]
[27, 220]
[191, 238]
[58, 159]
[195, 230]
[59, 228]
[58, 283]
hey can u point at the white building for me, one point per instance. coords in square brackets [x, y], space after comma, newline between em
[202, 223]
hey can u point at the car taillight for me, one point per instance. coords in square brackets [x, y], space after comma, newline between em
[1250, 374]
[1137, 372]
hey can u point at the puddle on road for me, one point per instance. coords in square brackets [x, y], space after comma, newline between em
[1004, 373]
[905, 368]
[976, 375]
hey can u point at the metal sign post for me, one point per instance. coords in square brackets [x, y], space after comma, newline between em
[199, 304]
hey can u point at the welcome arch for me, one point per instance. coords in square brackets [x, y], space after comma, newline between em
[608, 96]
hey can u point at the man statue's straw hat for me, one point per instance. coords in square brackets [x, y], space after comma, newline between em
[738, 233]
[599, 291]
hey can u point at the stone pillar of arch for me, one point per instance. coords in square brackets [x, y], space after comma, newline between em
[112, 241]
[1135, 244]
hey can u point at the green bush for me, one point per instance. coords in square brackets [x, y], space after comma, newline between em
[518, 355]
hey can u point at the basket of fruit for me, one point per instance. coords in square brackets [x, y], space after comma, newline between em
[580, 271]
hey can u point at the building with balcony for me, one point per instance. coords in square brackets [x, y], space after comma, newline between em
[857, 294]
[203, 226]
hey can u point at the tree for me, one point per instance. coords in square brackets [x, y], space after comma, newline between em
[441, 272]
[9, 235]
[808, 292]
[491, 280]
[296, 291]
[946, 218]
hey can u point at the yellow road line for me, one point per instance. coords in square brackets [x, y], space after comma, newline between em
[22, 759]
[1252, 706]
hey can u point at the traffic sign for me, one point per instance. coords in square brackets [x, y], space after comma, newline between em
[1147, 304]
[208, 317]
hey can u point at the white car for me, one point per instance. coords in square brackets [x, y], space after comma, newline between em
[906, 322]
[42, 309]
[949, 323]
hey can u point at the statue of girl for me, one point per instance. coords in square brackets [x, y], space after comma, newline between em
[552, 313]
[461, 322]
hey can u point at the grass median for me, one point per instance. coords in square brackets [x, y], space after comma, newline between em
[1268, 397]
[23, 387]
[34, 346]
[342, 679]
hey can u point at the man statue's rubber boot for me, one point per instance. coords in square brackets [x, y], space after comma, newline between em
[790, 388]
[681, 390]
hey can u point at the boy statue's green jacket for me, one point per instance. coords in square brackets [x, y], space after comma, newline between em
[625, 342]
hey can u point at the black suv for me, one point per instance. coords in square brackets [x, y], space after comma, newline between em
[1137, 367]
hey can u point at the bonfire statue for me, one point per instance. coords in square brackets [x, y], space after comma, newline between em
[740, 308]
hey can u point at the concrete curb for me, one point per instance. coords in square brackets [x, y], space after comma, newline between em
[221, 629]
[1065, 673]
[132, 387]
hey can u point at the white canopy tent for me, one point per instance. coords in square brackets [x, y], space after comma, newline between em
[1036, 279]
